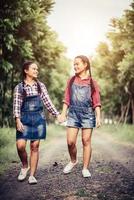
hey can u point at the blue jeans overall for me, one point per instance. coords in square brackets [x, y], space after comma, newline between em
[33, 119]
[81, 113]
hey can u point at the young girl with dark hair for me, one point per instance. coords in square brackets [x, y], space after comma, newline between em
[29, 97]
[82, 100]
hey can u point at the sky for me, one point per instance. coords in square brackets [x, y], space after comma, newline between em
[82, 24]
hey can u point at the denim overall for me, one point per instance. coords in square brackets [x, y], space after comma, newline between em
[32, 117]
[81, 113]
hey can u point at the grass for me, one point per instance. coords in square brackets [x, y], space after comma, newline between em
[8, 153]
[7, 148]
[54, 131]
[124, 133]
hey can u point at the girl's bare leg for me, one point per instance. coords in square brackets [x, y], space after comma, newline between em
[34, 156]
[21, 149]
[71, 142]
[87, 150]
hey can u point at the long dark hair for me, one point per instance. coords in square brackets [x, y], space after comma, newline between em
[86, 60]
[26, 66]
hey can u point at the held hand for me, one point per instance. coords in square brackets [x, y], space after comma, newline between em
[98, 122]
[19, 125]
[61, 118]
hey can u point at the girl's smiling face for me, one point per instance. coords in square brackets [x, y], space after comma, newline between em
[32, 71]
[79, 66]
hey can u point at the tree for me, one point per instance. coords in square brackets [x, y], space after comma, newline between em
[25, 35]
[115, 67]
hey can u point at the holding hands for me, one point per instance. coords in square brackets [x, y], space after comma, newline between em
[61, 118]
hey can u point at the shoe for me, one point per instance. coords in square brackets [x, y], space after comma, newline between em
[23, 173]
[32, 180]
[69, 167]
[86, 173]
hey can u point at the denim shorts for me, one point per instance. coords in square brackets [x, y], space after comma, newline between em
[81, 117]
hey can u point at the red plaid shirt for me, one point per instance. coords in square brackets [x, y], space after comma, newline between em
[32, 90]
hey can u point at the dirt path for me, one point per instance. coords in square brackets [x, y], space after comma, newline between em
[112, 169]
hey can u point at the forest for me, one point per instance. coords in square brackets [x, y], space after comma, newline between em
[114, 68]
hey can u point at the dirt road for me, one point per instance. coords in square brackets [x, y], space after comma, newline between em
[112, 168]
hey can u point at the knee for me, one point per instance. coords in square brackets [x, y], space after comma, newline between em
[21, 148]
[71, 144]
[34, 148]
[86, 142]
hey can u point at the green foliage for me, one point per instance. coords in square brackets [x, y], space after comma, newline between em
[114, 67]
[6, 66]
[26, 35]
[123, 133]
[7, 148]
[58, 83]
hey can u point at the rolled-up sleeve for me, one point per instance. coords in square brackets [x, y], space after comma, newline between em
[17, 102]
[47, 101]
[96, 95]
[66, 99]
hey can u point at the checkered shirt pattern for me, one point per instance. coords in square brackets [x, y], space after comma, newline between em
[32, 90]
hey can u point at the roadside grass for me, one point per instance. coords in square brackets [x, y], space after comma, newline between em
[8, 152]
[54, 131]
[7, 148]
[124, 133]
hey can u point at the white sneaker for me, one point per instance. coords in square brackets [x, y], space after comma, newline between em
[32, 180]
[86, 173]
[23, 173]
[69, 167]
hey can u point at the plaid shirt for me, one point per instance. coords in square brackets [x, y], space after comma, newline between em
[32, 90]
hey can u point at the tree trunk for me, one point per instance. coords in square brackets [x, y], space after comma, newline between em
[12, 88]
[132, 107]
[123, 110]
[3, 101]
[127, 109]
